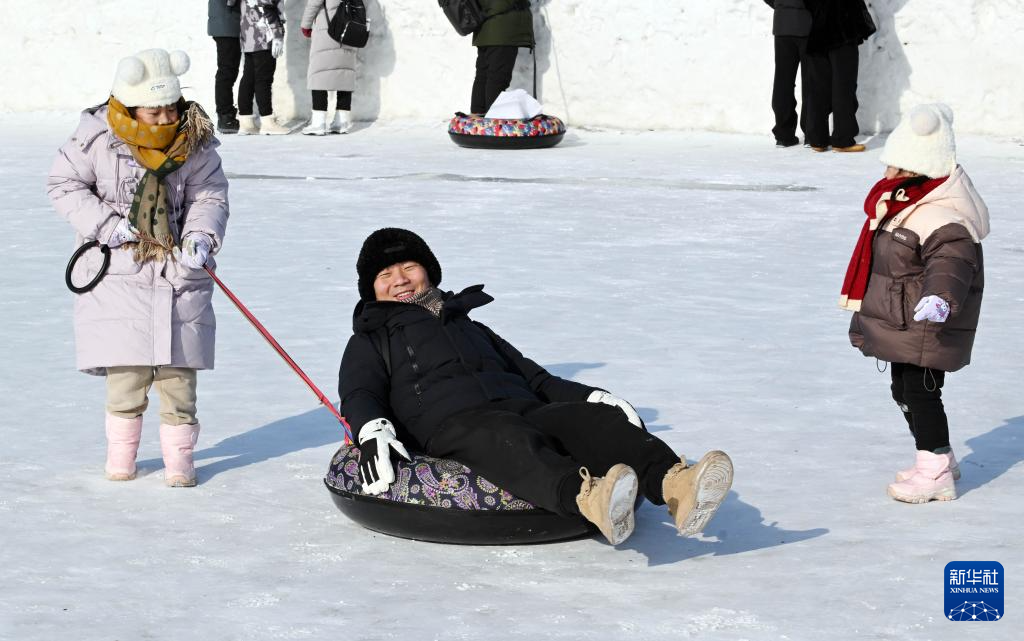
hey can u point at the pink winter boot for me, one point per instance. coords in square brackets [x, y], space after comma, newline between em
[177, 443]
[932, 480]
[123, 436]
[954, 468]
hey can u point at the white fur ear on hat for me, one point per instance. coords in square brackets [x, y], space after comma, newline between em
[131, 70]
[179, 62]
[924, 121]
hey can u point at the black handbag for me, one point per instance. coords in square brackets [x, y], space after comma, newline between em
[348, 26]
[465, 15]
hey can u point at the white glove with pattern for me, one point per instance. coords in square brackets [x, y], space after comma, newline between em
[601, 396]
[195, 249]
[277, 47]
[932, 308]
[123, 233]
[377, 440]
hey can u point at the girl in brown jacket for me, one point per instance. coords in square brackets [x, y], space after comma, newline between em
[915, 284]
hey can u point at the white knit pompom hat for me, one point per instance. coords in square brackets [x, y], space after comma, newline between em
[923, 142]
[150, 78]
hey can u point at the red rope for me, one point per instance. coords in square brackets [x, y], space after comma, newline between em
[280, 350]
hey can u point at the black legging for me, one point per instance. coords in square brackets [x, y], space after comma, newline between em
[535, 450]
[918, 392]
[494, 67]
[343, 102]
[257, 78]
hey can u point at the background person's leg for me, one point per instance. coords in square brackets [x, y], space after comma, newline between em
[844, 63]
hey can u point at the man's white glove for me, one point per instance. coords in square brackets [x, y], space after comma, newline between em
[123, 233]
[195, 249]
[932, 308]
[377, 440]
[277, 47]
[601, 396]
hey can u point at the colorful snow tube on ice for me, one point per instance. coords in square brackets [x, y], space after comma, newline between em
[502, 133]
[443, 501]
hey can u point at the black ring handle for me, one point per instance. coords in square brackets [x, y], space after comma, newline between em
[74, 259]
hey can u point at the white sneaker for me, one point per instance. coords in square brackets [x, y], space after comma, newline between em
[342, 122]
[317, 124]
[248, 126]
[270, 127]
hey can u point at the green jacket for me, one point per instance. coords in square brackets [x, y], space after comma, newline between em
[510, 24]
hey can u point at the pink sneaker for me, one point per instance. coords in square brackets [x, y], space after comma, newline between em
[954, 469]
[932, 481]
[123, 435]
[177, 443]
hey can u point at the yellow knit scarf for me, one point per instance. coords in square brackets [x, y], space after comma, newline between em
[160, 150]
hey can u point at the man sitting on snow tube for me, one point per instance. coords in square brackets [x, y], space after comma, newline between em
[456, 390]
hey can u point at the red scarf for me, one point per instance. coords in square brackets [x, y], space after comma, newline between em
[887, 198]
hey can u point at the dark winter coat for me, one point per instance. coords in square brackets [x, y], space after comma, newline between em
[510, 24]
[835, 23]
[933, 247]
[223, 18]
[439, 366]
[791, 18]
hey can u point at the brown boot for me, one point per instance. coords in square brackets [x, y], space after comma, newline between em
[694, 493]
[851, 149]
[608, 501]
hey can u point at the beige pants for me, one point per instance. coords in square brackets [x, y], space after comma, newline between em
[128, 389]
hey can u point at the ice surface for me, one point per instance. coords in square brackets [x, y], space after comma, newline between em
[694, 274]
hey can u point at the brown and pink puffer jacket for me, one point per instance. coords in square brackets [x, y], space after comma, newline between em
[932, 247]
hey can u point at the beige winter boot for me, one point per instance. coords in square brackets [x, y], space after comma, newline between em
[608, 501]
[248, 125]
[269, 126]
[693, 494]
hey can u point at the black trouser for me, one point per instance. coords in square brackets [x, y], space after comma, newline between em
[343, 101]
[229, 56]
[918, 392]
[494, 67]
[834, 85]
[790, 54]
[535, 450]
[257, 78]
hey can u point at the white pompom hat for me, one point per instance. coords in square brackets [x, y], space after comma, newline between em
[150, 78]
[923, 142]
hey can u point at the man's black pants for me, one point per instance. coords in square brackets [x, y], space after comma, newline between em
[535, 450]
[229, 56]
[790, 54]
[918, 392]
[494, 66]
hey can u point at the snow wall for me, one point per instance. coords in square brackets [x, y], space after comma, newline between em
[647, 64]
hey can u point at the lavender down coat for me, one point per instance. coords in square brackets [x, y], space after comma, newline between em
[157, 313]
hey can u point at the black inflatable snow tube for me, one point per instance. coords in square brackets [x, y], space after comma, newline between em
[443, 501]
[478, 132]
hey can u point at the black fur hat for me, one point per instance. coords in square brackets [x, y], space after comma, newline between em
[389, 246]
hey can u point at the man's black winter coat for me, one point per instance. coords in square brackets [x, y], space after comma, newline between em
[439, 366]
